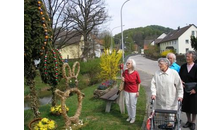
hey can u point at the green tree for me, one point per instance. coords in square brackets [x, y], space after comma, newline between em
[37, 45]
[152, 51]
[107, 41]
[194, 42]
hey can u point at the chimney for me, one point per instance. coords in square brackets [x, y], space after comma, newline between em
[178, 28]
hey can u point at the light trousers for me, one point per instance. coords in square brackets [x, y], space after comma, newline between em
[130, 102]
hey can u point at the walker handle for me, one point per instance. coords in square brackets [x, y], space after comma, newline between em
[152, 101]
[152, 104]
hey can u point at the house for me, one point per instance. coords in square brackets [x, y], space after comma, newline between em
[71, 49]
[158, 39]
[147, 43]
[96, 46]
[178, 40]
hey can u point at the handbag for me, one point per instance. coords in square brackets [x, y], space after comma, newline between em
[190, 86]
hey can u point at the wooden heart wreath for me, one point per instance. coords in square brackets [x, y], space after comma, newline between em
[63, 96]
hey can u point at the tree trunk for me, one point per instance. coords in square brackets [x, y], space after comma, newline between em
[34, 100]
[53, 96]
[86, 48]
[33, 94]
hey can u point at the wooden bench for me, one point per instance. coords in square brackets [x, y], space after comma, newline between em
[110, 97]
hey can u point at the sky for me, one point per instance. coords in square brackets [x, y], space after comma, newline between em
[142, 13]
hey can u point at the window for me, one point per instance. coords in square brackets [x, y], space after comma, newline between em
[187, 41]
[170, 48]
[193, 33]
[187, 49]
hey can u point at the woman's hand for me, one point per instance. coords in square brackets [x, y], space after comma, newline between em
[180, 99]
[192, 92]
[153, 97]
[137, 94]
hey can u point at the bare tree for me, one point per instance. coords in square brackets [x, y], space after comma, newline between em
[85, 15]
[63, 30]
[71, 18]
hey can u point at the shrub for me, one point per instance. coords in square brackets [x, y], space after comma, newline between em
[92, 69]
[109, 65]
[164, 53]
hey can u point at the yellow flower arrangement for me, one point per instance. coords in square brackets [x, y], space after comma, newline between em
[45, 124]
[57, 109]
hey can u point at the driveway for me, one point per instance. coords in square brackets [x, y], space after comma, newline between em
[146, 69]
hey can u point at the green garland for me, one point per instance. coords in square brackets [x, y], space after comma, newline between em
[37, 45]
[51, 67]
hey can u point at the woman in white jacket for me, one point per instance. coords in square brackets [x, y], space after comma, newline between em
[166, 86]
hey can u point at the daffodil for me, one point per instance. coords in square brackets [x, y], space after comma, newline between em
[45, 124]
[57, 109]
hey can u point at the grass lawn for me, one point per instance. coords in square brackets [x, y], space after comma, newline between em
[93, 113]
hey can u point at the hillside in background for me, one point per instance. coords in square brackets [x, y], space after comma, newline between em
[141, 34]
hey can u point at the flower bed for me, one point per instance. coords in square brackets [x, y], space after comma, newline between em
[106, 84]
[103, 88]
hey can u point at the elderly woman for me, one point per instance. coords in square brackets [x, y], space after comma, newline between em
[173, 65]
[188, 73]
[166, 86]
[132, 82]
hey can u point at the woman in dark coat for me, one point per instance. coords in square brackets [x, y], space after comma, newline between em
[188, 73]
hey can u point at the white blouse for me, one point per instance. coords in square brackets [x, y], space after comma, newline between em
[167, 87]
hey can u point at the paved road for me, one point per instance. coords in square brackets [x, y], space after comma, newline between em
[146, 69]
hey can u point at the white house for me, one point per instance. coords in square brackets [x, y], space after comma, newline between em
[179, 39]
[158, 39]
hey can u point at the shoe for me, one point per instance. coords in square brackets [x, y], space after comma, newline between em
[128, 119]
[193, 126]
[188, 124]
[132, 121]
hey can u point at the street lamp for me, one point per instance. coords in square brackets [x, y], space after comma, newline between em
[123, 57]
[111, 37]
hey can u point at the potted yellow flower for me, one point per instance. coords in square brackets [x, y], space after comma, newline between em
[56, 110]
[42, 124]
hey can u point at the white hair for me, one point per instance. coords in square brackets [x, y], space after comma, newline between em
[193, 54]
[173, 55]
[133, 63]
[165, 60]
